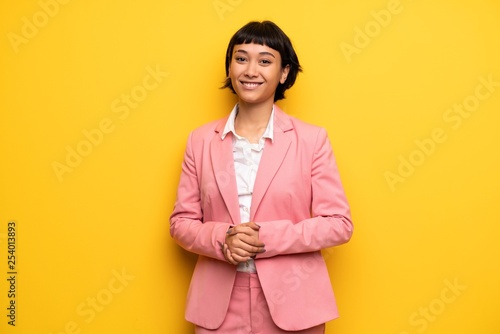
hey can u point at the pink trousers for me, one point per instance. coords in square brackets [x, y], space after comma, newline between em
[248, 311]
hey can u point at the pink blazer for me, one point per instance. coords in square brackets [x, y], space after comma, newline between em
[300, 204]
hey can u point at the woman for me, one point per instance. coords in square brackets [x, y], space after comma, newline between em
[259, 197]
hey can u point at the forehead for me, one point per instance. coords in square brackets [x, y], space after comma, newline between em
[255, 49]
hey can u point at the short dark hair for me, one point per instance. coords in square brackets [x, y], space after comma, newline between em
[269, 34]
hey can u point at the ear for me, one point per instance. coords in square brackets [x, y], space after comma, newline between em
[284, 74]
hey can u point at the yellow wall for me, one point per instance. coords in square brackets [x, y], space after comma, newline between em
[97, 99]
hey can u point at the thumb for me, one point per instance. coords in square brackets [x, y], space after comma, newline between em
[254, 226]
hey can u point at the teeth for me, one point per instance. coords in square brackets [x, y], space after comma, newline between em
[250, 84]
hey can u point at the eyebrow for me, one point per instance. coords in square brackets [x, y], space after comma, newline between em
[261, 53]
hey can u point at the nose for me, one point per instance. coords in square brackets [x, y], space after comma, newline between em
[251, 70]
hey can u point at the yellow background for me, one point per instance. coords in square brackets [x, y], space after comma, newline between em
[437, 225]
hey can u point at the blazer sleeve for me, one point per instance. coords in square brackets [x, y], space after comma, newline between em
[330, 219]
[186, 221]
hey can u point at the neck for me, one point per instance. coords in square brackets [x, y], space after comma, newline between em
[252, 120]
[252, 115]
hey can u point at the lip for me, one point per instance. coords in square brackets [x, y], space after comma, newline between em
[250, 84]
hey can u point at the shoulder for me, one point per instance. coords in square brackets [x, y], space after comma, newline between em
[305, 127]
[304, 130]
[208, 130]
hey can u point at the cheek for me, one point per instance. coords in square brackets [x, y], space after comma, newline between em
[276, 74]
[233, 72]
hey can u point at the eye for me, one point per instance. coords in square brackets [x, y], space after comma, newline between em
[240, 59]
[265, 61]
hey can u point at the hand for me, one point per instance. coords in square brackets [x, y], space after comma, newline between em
[242, 243]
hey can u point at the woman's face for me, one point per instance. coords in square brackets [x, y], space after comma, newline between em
[255, 72]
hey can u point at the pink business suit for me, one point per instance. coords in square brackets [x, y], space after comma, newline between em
[299, 203]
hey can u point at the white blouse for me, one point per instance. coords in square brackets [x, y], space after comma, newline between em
[246, 157]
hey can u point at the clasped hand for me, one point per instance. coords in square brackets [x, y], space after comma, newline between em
[242, 243]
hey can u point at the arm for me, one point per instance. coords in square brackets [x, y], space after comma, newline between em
[186, 222]
[330, 223]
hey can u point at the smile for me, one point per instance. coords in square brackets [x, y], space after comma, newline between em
[251, 84]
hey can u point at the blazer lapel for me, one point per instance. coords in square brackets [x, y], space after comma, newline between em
[272, 158]
[221, 154]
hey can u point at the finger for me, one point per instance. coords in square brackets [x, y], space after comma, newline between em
[246, 252]
[248, 228]
[228, 255]
[251, 250]
[247, 244]
[257, 250]
[225, 251]
[239, 259]
[243, 249]
[252, 241]
[221, 247]
[254, 226]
